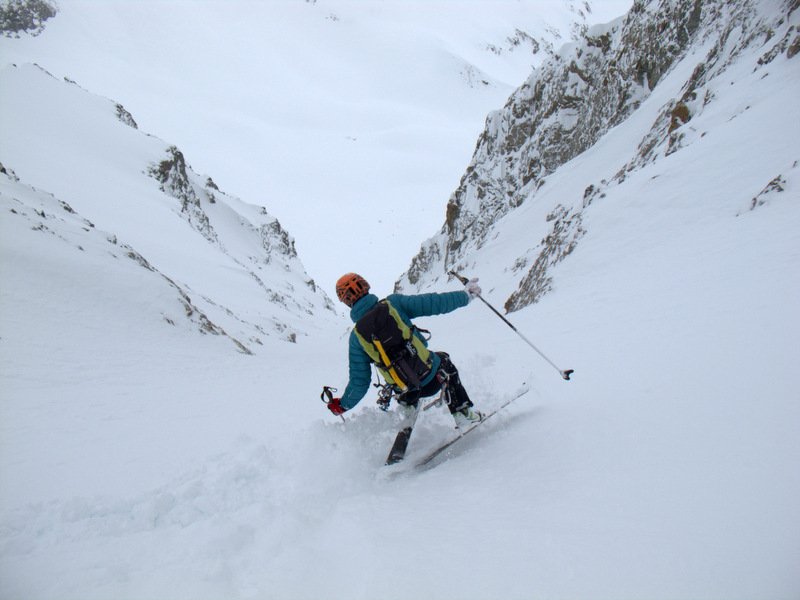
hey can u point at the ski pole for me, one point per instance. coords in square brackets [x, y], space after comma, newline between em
[564, 374]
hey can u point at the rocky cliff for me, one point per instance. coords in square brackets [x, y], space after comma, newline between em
[584, 91]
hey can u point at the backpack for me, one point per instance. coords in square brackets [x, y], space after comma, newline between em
[400, 356]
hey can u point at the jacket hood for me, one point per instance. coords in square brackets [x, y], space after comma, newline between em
[363, 306]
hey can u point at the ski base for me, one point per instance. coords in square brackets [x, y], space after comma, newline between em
[398, 451]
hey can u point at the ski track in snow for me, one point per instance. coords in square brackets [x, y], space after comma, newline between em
[246, 517]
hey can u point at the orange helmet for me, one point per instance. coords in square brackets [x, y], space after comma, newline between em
[351, 288]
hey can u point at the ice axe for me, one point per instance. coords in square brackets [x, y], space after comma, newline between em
[564, 374]
[327, 397]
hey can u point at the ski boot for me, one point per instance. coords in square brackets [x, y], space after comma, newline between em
[408, 413]
[467, 417]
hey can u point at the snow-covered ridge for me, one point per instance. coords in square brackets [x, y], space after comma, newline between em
[583, 92]
[328, 106]
[73, 245]
[230, 265]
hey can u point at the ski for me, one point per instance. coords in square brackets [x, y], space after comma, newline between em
[461, 434]
[398, 451]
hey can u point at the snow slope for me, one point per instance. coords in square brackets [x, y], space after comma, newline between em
[329, 109]
[230, 260]
[169, 465]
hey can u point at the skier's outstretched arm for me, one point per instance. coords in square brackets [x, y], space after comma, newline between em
[427, 305]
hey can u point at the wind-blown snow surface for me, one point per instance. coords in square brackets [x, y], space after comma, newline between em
[141, 460]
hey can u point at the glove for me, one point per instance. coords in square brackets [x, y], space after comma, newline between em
[335, 407]
[473, 289]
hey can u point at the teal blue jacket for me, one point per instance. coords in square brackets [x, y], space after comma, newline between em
[409, 307]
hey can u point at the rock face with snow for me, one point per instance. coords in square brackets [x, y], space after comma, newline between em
[565, 107]
[35, 222]
[74, 161]
[27, 16]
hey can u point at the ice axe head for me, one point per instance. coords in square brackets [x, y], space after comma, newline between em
[461, 278]
[567, 373]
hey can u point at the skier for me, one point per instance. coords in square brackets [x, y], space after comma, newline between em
[439, 371]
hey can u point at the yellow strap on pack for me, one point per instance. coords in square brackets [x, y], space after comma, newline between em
[388, 364]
